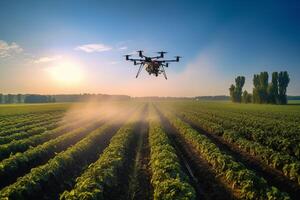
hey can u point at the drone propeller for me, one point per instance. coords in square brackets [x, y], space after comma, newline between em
[140, 53]
[177, 58]
[127, 56]
[162, 53]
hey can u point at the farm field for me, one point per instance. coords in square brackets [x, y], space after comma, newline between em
[150, 150]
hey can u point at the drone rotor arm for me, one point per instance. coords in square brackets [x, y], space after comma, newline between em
[133, 59]
[156, 57]
[166, 61]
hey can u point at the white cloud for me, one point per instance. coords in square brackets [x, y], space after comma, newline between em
[89, 48]
[7, 49]
[47, 59]
[123, 48]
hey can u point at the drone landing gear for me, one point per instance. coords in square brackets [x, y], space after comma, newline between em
[139, 71]
[164, 72]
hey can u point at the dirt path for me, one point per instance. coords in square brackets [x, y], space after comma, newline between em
[272, 176]
[200, 173]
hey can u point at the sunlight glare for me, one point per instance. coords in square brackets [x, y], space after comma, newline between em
[66, 72]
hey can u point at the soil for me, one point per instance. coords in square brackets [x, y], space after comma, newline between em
[140, 186]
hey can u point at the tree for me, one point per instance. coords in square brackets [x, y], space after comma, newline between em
[36, 98]
[232, 92]
[244, 97]
[273, 89]
[239, 84]
[10, 98]
[283, 82]
[263, 87]
[237, 89]
[1, 98]
[256, 83]
[19, 98]
[247, 97]
[51, 99]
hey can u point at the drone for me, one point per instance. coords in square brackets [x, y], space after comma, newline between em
[153, 65]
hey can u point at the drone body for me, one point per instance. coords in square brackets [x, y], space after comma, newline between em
[153, 65]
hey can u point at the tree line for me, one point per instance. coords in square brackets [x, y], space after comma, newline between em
[37, 98]
[25, 98]
[263, 91]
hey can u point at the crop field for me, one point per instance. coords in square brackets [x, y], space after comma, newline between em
[141, 150]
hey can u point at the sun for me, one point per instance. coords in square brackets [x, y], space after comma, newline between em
[66, 73]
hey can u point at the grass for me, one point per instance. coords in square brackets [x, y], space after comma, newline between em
[294, 102]
[292, 107]
[12, 109]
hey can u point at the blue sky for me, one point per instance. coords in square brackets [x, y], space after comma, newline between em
[77, 46]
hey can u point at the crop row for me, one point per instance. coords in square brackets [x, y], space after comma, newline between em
[15, 164]
[12, 131]
[103, 176]
[34, 129]
[168, 179]
[268, 133]
[249, 185]
[277, 135]
[28, 120]
[54, 170]
[288, 165]
[41, 121]
[281, 113]
[284, 127]
[14, 119]
[24, 144]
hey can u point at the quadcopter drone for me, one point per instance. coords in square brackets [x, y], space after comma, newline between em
[153, 65]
